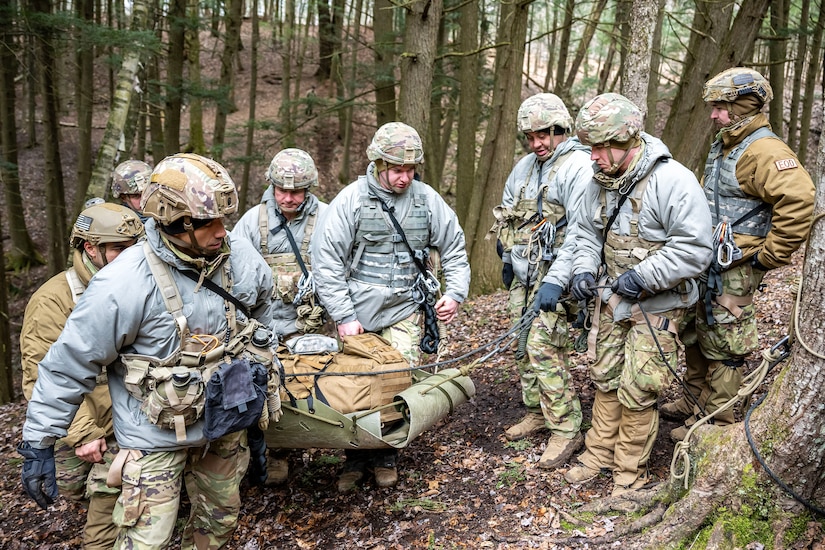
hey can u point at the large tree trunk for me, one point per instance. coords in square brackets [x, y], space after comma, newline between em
[798, 70]
[810, 84]
[84, 93]
[344, 175]
[643, 16]
[655, 63]
[243, 193]
[468, 109]
[197, 143]
[384, 67]
[6, 371]
[418, 63]
[23, 252]
[499, 146]
[285, 110]
[119, 114]
[714, 47]
[778, 47]
[174, 75]
[226, 104]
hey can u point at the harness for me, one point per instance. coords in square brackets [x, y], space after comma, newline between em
[171, 389]
[76, 286]
[291, 271]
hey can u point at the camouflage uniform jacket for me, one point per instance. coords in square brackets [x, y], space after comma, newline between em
[122, 311]
[248, 227]
[769, 170]
[43, 321]
[674, 212]
[565, 189]
[378, 307]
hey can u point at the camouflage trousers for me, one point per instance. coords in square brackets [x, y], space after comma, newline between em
[715, 353]
[148, 506]
[628, 359]
[545, 371]
[405, 336]
[78, 479]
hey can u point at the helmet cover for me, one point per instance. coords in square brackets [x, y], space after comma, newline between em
[130, 178]
[607, 118]
[543, 111]
[105, 223]
[732, 84]
[292, 169]
[396, 143]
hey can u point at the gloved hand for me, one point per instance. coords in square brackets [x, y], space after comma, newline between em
[257, 456]
[756, 264]
[507, 275]
[629, 285]
[547, 297]
[582, 286]
[499, 248]
[39, 478]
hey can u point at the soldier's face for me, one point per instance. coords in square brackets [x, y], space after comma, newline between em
[397, 178]
[132, 201]
[719, 114]
[107, 252]
[543, 143]
[209, 237]
[289, 200]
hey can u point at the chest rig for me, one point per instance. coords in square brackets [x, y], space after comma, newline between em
[624, 252]
[728, 204]
[382, 257]
[172, 389]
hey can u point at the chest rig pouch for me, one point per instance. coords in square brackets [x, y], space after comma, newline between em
[173, 391]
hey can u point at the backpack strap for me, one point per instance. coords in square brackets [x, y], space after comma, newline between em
[263, 229]
[76, 286]
[168, 290]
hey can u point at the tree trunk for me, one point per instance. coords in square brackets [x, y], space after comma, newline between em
[798, 69]
[243, 194]
[643, 16]
[468, 110]
[564, 47]
[810, 85]
[384, 67]
[119, 114]
[417, 63]
[84, 94]
[155, 118]
[226, 103]
[778, 47]
[581, 51]
[499, 146]
[655, 63]
[344, 175]
[338, 63]
[285, 111]
[197, 143]
[786, 429]
[22, 253]
[174, 75]
[6, 371]
[326, 41]
[714, 46]
[53, 177]
[439, 116]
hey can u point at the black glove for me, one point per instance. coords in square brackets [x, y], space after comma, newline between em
[582, 286]
[39, 478]
[507, 275]
[756, 264]
[629, 285]
[547, 297]
[257, 456]
[499, 248]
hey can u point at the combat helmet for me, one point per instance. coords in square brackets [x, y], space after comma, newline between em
[735, 83]
[609, 119]
[130, 178]
[543, 111]
[188, 186]
[396, 143]
[105, 223]
[292, 169]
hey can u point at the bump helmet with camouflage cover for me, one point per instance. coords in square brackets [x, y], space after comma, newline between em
[105, 223]
[732, 84]
[543, 111]
[608, 118]
[189, 185]
[130, 178]
[292, 169]
[396, 143]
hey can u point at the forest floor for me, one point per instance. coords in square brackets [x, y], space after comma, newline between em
[462, 485]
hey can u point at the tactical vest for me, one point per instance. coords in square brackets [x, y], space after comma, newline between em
[516, 225]
[624, 252]
[381, 257]
[285, 269]
[172, 389]
[724, 194]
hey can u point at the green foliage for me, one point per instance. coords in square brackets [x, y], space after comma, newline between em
[520, 445]
[418, 504]
[513, 474]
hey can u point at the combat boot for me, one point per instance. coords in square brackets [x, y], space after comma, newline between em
[531, 423]
[354, 470]
[384, 468]
[277, 470]
[559, 449]
[581, 474]
[678, 434]
[676, 410]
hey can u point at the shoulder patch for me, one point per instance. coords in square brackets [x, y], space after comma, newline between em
[786, 164]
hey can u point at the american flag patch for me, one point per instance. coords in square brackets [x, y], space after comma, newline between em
[83, 223]
[786, 164]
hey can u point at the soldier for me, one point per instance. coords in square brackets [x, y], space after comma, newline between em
[644, 234]
[540, 196]
[83, 456]
[281, 227]
[369, 253]
[129, 178]
[163, 317]
[761, 200]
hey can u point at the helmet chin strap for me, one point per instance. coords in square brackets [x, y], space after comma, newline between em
[614, 165]
[193, 245]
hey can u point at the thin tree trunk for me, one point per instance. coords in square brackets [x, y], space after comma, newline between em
[636, 75]
[344, 175]
[584, 43]
[798, 69]
[439, 96]
[174, 75]
[197, 143]
[418, 63]
[84, 94]
[468, 109]
[814, 66]
[226, 103]
[338, 62]
[31, 91]
[498, 149]
[6, 370]
[564, 47]
[655, 64]
[778, 48]
[285, 111]
[326, 41]
[384, 67]
[243, 195]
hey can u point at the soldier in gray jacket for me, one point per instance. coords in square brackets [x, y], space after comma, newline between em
[368, 274]
[159, 333]
[643, 234]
